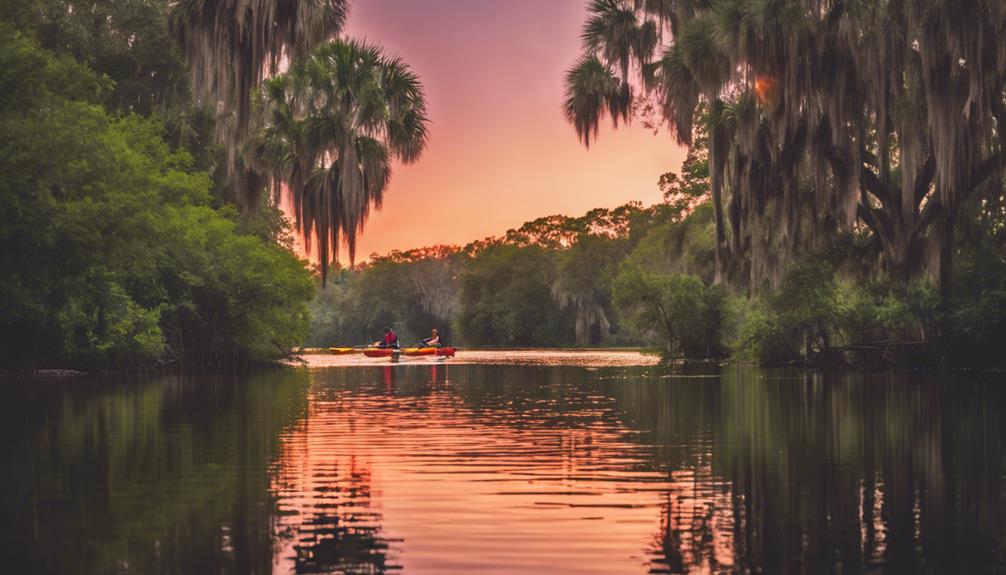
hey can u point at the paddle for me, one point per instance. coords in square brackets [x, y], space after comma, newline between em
[356, 348]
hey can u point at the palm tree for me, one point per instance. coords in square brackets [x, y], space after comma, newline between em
[327, 131]
[823, 112]
[231, 45]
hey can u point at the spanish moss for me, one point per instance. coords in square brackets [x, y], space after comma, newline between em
[231, 46]
[828, 115]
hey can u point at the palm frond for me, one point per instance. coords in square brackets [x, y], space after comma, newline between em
[594, 92]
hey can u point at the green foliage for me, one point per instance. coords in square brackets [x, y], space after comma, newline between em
[977, 331]
[548, 282]
[584, 283]
[684, 191]
[335, 315]
[813, 317]
[413, 291]
[126, 41]
[231, 298]
[798, 318]
[113, 255]
[674, 245]
[506, 299]
[690, 315]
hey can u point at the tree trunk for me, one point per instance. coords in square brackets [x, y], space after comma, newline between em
[940, 252]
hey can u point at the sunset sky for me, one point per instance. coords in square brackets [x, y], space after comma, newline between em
[500, 152]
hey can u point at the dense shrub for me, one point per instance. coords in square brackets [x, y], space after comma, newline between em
[689, 315]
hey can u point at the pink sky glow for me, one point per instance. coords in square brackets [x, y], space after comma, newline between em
[500, 152]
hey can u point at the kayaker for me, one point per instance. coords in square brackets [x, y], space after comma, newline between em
[433, 340]
[390, 339]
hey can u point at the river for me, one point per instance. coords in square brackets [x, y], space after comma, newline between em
[508, 463]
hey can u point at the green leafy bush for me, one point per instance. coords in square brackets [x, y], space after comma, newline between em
[689, 315]
[797, 320]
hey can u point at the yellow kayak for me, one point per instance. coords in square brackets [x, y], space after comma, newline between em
[342, 350]
[420, 351]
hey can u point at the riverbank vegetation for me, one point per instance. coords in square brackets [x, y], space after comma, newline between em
[646, 276]
[842, 202]
[637, 276]
[138, 150]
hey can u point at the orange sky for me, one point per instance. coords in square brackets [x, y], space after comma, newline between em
[500, 152]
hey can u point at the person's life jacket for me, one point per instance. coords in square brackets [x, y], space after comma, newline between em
[391, 338]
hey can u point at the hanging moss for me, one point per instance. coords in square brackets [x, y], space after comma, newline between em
[834, 114]
[231, 46]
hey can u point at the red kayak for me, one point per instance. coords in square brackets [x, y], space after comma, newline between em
[411, 351]
[381, 352]
[441, 351]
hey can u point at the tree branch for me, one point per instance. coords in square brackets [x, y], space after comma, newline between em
[924, 179]
[875, 220]
[933, 209]
[984, 171]
[875, 186]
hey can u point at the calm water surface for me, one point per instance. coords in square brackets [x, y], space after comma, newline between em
[505, 463]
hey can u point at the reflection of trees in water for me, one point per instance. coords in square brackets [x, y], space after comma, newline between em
[756, 472]
[327, 522]
[815, 475]
[696, 524]
[163, 476]
[768, 471]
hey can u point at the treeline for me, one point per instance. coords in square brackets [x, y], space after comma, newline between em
[117, 247]
[629, 276]
[636, 276]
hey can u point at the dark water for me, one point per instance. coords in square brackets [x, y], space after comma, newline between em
[439, 468]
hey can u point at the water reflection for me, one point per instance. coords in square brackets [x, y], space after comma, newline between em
[451, 468]
[816, 474]
[327, 521]
[144, 477]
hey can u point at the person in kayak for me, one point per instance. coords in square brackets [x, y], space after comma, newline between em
[434, 340]
[390, 339]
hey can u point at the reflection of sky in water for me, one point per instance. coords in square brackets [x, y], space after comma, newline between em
[510, 486]
[542, 468]
[449, 468]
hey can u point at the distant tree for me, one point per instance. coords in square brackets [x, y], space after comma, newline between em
[506, 299]
[549, 232]
[583, 284]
